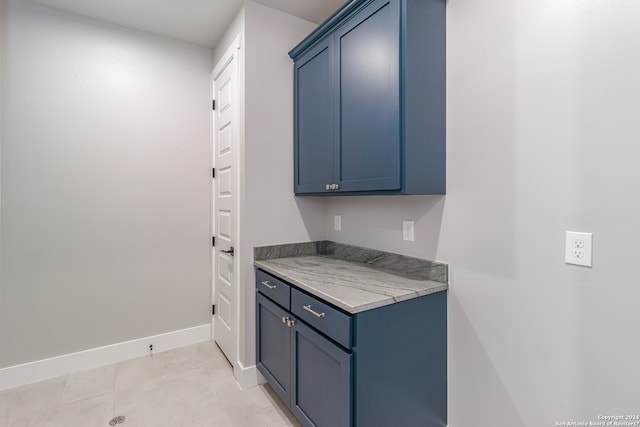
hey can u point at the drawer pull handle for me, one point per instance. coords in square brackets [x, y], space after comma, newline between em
[268, 285]
[310, 310]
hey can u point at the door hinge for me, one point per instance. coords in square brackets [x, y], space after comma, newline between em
[213, 173]
[213, 104]
[213, 309]
[213, 241]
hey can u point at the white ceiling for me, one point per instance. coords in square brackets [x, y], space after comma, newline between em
[195, 21]
[311, 10]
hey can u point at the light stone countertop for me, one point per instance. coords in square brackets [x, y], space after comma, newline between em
[351, 286]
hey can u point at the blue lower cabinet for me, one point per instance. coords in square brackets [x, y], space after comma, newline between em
[401, 364]
[311, 374]
[321, 372]
[377, 368]
[274, 346]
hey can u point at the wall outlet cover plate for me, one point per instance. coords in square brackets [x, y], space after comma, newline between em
[578, 248]
[407, 231]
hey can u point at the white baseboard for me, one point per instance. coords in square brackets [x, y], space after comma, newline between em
[248, 377]
[39, 370]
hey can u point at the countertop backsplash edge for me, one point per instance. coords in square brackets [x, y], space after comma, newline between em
[401, 265]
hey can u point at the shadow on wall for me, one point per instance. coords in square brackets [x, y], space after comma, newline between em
[474, 368]
[313, 211]
[480, 218]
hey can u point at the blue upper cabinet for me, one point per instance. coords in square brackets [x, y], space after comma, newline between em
[368, 114]
[370, 101]
[314, 106]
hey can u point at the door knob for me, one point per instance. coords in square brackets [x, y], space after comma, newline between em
[230, 251]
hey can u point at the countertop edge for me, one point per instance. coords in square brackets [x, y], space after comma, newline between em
[386, 300]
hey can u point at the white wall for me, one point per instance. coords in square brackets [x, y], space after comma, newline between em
[271, 213]
[235, 28]
[3, 28]
[542, 138]
[105, 185]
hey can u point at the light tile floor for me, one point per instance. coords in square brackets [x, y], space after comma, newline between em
[186, 387]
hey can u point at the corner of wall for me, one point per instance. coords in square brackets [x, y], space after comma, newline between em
[271, 213]
[235, 27]
[3, 26]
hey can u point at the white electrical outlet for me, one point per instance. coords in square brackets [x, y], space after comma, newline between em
[407, 231]
[578, 248]
[337, 222]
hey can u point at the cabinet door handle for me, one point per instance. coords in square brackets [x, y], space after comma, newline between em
[268, 285]
[290, 323]
[310, 310]
[285, 319]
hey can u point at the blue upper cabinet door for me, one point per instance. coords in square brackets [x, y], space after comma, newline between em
[368, 119]
[313, 109]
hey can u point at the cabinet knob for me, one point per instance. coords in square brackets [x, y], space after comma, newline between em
[285, 319]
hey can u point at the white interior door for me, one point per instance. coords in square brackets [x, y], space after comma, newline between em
[225, 202]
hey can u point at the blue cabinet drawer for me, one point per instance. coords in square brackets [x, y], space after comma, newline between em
[328, 320]
[274, 288]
